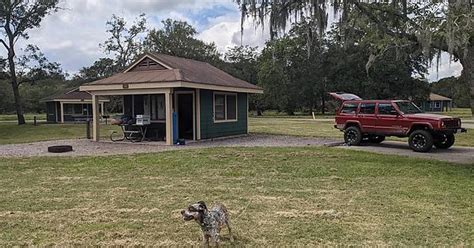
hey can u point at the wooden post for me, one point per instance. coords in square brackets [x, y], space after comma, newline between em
[88, 129]
[62, 112]
[95, 118]
[102, 113]
[169, 118]
[198, 114]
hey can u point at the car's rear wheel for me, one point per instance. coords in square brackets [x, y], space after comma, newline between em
[352, 136]
[377, 139]
[420, 141]
[444, 140]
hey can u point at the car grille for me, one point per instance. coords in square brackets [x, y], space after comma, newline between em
[451, 123]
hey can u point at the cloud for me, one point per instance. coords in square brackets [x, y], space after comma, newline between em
[446, 68]
[225, 32]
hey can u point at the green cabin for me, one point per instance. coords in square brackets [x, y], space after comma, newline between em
[180, 97]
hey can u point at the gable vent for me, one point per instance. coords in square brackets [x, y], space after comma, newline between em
[148, 65]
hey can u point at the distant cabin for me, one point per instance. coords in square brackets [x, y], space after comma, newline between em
[438, 103]
[71, 106]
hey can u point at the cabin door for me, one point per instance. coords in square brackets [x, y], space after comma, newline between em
[185, 111]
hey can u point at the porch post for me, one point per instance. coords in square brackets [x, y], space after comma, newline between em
[95, 118]
[198, 114]
[102, 108]
[169, 117]
[62, 112]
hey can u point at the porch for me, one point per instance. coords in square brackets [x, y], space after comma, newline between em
[173, 113]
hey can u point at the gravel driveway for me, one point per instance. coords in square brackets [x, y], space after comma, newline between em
[88, 148]
[464, 155]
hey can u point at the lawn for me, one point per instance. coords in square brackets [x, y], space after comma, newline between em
[276, 197]
[28, 117]
[464, 113]
[11, 133]
[295, 127]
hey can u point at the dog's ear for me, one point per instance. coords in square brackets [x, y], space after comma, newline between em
[203, 205]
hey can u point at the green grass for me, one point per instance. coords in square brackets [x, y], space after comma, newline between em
[297, 115]
[28, 117]
[276, 197]
[464, 113]
[294, 127]
[11, 133]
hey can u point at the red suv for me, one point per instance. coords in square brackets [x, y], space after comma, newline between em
[373, 120]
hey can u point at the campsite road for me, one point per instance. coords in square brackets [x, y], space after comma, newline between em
[464, 155]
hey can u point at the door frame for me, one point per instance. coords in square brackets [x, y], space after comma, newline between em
[186, 92]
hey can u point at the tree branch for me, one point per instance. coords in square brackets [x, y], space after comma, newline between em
[437, 43]
[4, 44]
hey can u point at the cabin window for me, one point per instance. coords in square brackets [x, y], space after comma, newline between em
[225, 107]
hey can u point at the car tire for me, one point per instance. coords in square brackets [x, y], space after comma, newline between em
[421, 141]
[444, 140]
[352, 136]
[376, 139]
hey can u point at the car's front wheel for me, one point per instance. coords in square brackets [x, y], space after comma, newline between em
[352, 136]
[420, 141]
[444, 141]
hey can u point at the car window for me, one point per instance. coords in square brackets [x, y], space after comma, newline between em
[386, 109]
[367, 108]
[408, 108]
[349, 108]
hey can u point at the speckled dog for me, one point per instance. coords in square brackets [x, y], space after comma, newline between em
[210, 221]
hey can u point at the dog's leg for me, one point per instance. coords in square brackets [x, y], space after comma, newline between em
[230, 231]
[217, 239]
[205, 240]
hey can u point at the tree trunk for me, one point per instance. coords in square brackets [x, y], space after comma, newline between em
[323, 104]
[468, 73]
[16, 92]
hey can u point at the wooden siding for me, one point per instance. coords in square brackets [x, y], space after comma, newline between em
[210, 130]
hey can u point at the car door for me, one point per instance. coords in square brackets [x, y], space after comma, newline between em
[367, 117]
[388, 119]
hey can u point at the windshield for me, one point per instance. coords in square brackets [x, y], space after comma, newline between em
[408, 108]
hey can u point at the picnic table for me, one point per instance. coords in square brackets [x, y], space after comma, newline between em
[131, 132]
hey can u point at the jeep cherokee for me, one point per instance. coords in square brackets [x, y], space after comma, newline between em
[373, 120]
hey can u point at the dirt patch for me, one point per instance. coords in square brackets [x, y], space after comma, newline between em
[88, 148]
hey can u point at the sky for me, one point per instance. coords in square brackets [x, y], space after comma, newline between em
[72, 36]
